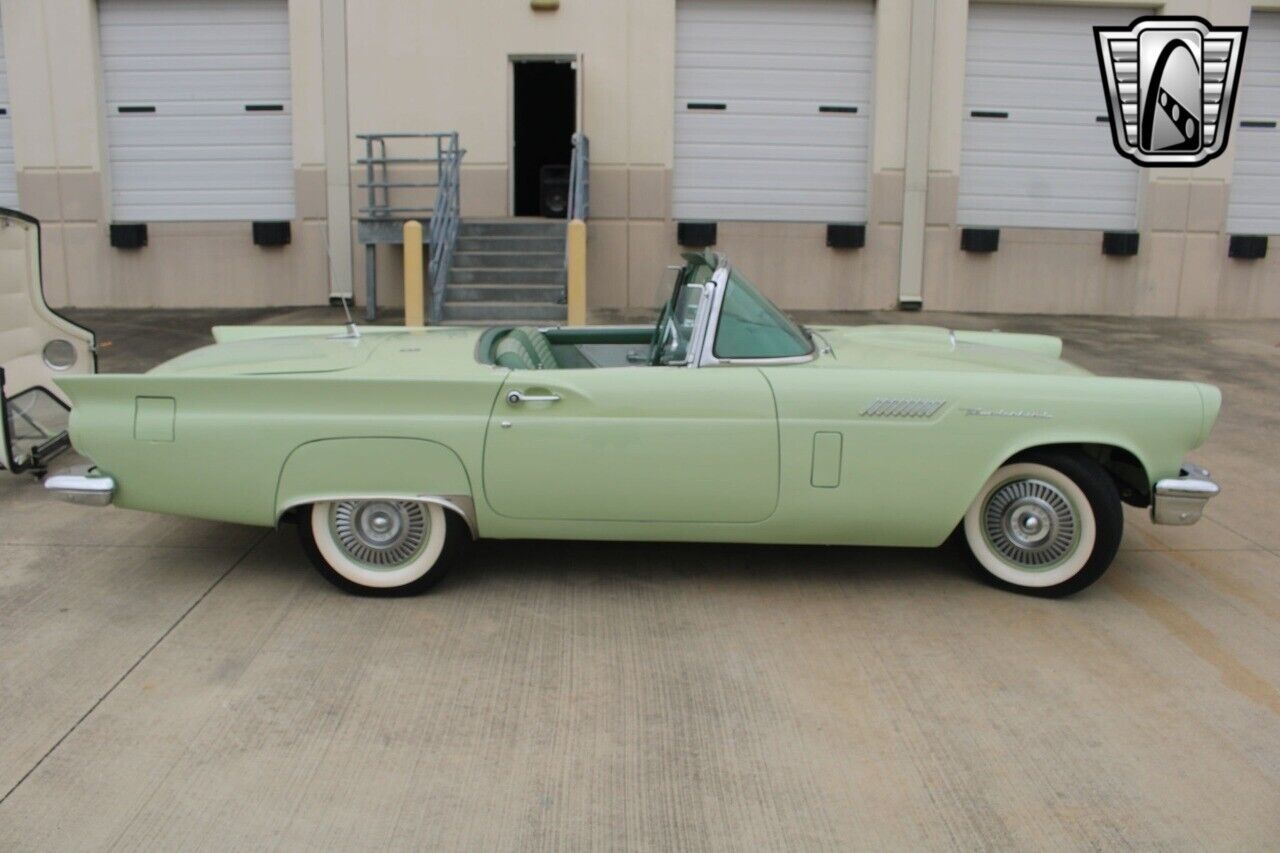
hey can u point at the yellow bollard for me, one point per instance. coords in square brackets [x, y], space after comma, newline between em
[577, 289]
[414, 287]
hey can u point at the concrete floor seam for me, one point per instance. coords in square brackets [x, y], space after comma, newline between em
[134, 666]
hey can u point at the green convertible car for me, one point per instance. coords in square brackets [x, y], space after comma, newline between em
[392, 448]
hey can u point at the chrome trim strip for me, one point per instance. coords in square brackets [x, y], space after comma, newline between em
[1181, 500]
[78, 485]
[902, 407]
[463, 505]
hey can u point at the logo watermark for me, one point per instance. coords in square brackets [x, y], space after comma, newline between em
[1171, 86]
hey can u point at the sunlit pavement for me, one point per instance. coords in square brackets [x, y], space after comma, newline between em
[170, 683]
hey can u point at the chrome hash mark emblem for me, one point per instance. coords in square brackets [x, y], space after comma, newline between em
[1171, 87]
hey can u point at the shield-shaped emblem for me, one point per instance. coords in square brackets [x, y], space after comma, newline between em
[1171, 87]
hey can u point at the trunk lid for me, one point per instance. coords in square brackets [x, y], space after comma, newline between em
[37, 346]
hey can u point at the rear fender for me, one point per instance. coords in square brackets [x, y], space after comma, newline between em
[400, 468]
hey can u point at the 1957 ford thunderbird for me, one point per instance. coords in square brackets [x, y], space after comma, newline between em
[392, 448]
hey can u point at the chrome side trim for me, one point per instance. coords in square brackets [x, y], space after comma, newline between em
[463, 505]
[1181, 499]
[78, 485]
[902, 407]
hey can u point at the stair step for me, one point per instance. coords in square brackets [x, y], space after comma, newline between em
[490, 275]
[509, 260]
[504, 293]
[512, 228]
[535, 312]
[510, 244]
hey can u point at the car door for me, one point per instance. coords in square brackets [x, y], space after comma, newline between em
[668, 444]
[36, 346]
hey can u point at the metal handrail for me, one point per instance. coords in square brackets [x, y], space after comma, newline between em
[444, 214]
[445, 221]
[377, 182]
[579, 177]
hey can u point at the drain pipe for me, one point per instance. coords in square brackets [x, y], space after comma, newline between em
[916, 170]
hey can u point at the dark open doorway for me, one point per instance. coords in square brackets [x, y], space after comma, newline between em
[543, 124]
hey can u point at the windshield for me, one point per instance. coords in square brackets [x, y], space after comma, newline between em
[751, 327]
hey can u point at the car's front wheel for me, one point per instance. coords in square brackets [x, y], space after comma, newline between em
[381, 546]
[1047, 523]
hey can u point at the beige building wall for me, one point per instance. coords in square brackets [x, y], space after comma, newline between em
[413, 65]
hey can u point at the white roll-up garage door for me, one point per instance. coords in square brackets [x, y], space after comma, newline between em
[198, 108]
[1036, 146]
[1255, 182]
[773, 103]
[8, 175]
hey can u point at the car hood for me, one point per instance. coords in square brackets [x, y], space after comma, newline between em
[890, 347]
[275, 355]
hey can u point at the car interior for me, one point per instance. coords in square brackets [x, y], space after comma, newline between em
[566, 348]
[749, 327]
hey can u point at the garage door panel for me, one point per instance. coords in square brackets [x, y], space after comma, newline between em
[207, 174]
[1029, 89]
[197, 65]
[149, 87]
[783, 153]
[777, 83]
[1100, 187]
[134, 138]
[1050, 162]
[772, 64]
[1254, 207]
[768, 174]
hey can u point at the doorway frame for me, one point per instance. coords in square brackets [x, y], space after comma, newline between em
[574, 60]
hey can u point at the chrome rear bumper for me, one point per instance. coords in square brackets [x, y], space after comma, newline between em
[80, 485]
[1181, 499]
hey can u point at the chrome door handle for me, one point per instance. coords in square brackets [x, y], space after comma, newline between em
[517, 397]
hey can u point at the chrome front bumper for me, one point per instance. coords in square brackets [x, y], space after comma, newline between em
[80, 485]
[1181, 499]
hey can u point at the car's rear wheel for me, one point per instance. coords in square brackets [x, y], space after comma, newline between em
[381, 546]
[1047, 523]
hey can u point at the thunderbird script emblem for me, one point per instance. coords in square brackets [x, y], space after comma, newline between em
[1171, 85]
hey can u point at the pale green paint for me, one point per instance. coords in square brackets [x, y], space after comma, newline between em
[722, 454]
[368, 467]
[635, 443]
[153, 418]
[827, 452]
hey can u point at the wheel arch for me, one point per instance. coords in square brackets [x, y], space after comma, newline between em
[376, 467]
[1124, 466]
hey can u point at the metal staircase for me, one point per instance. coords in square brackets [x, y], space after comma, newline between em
[507, 270]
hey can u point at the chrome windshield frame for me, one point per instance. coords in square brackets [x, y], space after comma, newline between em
[704, 336]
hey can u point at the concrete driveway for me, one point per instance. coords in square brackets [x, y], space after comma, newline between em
[177, 684]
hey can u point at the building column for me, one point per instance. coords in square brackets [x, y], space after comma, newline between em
[916, 177]
[337, 155]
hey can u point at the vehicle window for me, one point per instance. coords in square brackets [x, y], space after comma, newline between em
[751, 327]
[680, 320]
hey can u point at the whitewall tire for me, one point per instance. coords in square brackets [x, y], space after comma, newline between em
[380, 546]
[1046, 523]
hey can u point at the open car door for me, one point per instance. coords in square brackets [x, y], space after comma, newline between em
[37, 345]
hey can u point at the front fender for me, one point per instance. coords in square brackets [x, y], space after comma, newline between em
[405, 468]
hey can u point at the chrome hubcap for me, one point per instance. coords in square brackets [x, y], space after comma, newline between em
[379, 533]
[1030, 523]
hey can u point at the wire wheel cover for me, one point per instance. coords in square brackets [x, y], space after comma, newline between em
[383, 534]
[1030, 523]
